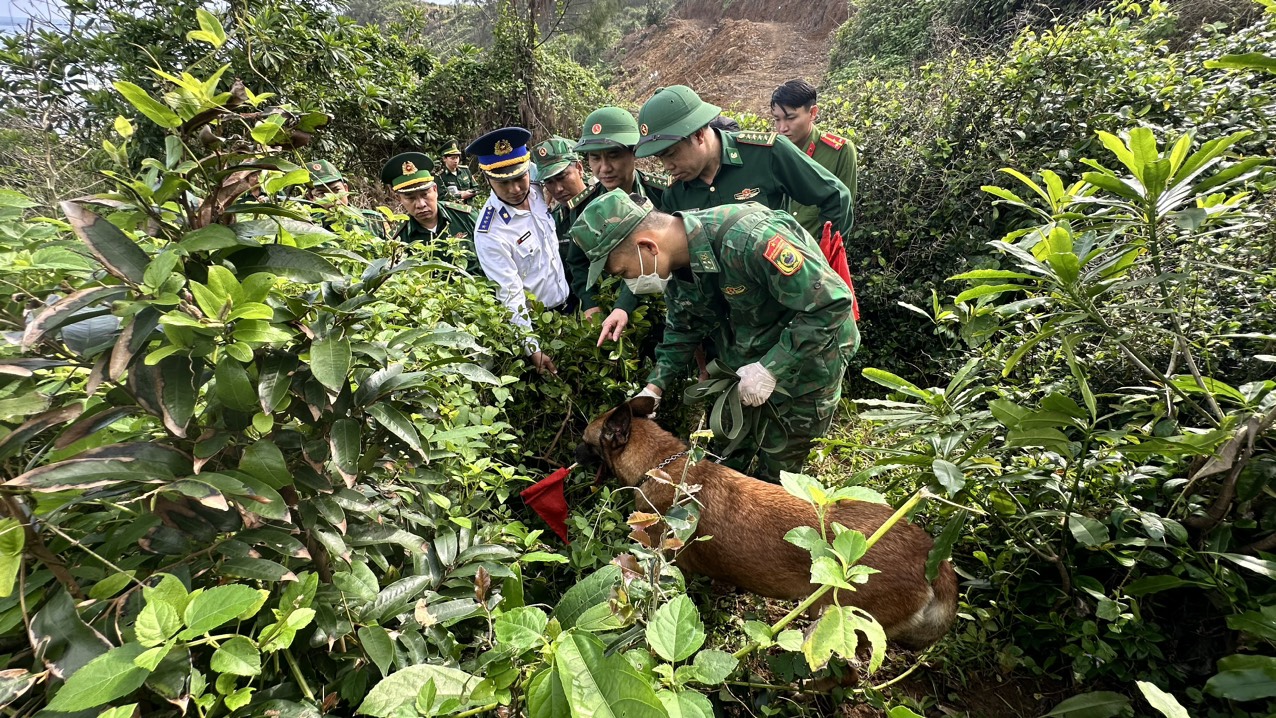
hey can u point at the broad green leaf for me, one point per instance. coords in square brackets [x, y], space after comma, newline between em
[1087, 531]
[401, 688]
[949, 475]
[714, 666]
[789, 640]
[987, 290]
[157, 622]
[685, 704]
[1258, 566]
[893, 382]
[300, 265]
[1261, 624]
[1244, 61]
[238, 656]
[590, 591]
[521, 629]
[545, 696]
[110, 585]
[258, 569]
[1099, 704]
[154, 110]
[837, 633]
[1164, 702]
[379, 646]
[330, 362]
[827, 571]
[216, 606]
[398, 424]
[210, 28]
[1244, 678]
[344, 442]
[944, 543]
[12, 540]
[110, 676]
[208, 239]
[233, 386]
[675, 631]
[265, 461]
[599, 685]
[1154, 584]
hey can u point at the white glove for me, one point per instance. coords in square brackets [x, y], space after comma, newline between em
[646, 391]
[756, 384]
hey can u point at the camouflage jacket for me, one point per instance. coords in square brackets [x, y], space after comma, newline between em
[764, 293]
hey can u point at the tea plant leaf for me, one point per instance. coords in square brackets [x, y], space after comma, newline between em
[116, 251]
[379, 646]
[1164, 702]
[1098, 704]
[109, 676]
[546, 697]
[400, 689]
[330, 362]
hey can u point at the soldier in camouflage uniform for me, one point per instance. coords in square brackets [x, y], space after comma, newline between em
[607, 138]
[329, 192]
[711, 167]
[410, 178]
[454, 178]
[794, 107]
[757, 283]
[563, 176]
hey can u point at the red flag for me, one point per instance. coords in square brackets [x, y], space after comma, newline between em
[547, 500]
[835, 252]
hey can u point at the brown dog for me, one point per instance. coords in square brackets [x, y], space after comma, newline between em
[747, 520]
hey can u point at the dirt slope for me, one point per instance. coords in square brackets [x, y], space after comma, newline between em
[733, 56]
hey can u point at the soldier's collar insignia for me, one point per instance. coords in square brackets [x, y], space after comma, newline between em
[505, 215]
[783, 255]
[408, 168]
[707, 263]
[748, 194]
[735, 291]
[503, 147]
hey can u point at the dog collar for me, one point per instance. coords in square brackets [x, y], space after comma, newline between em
[672, 459]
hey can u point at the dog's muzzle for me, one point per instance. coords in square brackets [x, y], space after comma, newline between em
[588, 455]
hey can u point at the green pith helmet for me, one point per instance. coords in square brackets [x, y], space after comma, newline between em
[323, 172]
[408, 172]
[450, 149]
[670, 116]
[604, 224]
[553, 156]
[608, 128]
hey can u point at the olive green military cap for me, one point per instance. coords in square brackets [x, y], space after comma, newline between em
[408, 172]
[670, 116]
[323, 172]
[608, 128]
[604, 224]
[553, 156]
[450, 148]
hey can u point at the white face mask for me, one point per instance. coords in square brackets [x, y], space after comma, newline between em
[647, 283]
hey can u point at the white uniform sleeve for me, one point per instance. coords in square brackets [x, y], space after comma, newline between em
[497, 261]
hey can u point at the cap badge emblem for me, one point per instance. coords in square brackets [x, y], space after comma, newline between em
[643, 129]
[503, 147]
[408, 168]
[542, 152]
[596, 129]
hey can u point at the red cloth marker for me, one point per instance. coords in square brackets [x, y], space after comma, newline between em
[835, 252]
[547, 500]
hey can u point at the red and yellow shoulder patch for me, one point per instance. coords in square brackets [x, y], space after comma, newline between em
[833, 140]
[781, 253]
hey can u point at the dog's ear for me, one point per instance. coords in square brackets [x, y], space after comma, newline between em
[642, 406]
[615, 432]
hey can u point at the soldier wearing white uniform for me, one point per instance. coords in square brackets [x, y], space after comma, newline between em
[516, 241]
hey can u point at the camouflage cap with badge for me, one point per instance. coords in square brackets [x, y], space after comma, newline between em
[502, 154]
[553, 156]
[608, 128]
[604, 224]
[670, 116]
[323, 172]
[408, 172]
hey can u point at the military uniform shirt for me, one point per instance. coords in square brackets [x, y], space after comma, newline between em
[767, 168]
[574, 259]
[461, 179]
[518, 249]
[764, 293]
[454, 220]
[838, 156]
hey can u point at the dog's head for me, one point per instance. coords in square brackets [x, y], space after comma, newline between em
[607, 437]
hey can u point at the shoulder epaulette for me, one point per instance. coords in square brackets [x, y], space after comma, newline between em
[654, 180]
[766, 139]
[487, 219]
[458, 206]
[583, 197]
[833, 140]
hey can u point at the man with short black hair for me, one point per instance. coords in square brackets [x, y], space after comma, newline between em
[711, 167]
[795, 109]
[411, 179]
